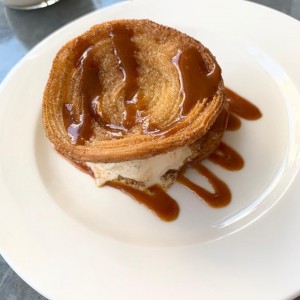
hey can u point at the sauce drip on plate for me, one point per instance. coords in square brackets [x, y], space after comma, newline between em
[221, 195]
[155, 198]
[227, 158]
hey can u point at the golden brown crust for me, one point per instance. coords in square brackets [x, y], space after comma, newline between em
[158, 81]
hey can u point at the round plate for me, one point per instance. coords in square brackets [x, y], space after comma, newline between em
[71, 240]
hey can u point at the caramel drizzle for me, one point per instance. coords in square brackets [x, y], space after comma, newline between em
[124, 50]
[70, 123]
[82, 129]
[221, 195]
[196, 82]
[227, 158]
[233, 123]
[154, 198]
[241, 106]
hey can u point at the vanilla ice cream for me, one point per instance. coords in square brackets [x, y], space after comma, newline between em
[146, 171]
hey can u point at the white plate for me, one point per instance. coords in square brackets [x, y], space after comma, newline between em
[71, 240]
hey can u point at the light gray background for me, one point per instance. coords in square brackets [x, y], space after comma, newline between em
[19, 32]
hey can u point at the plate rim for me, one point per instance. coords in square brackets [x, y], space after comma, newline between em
[41, 45]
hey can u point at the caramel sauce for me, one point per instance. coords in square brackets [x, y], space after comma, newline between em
[227, 158]
[234, 123]
[71, 125]
[221, 196]
[221, 121]
[241, 106]
[196, 81]
[125, 49]
[91, 90]
[81, 47]
[196, 84]
[82, 128]
[154, 198]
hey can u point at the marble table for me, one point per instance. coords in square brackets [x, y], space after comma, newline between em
[19, 32]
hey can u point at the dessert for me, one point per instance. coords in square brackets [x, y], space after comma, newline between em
[135, 102]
